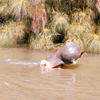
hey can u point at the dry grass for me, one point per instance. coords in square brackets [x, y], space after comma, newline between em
[21, 9]
[18, 8]
[77, 29]
[83, 16]
[95, 44]
[89, 3]
[60, 22]
[82, 28]
[44, 40]
[98, 29]
[3, 7]
[10, 33]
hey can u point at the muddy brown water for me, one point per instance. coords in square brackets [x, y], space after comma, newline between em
[20, 81]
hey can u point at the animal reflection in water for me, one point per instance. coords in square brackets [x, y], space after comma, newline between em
[60, 59]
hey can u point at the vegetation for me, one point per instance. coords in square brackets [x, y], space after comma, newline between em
[43, 40]
[11, 33]
[44, 23]
[18, 8]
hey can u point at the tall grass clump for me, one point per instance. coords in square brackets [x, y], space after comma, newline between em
[60, 23]
[89, 3]
[11, 33]
[95, 44]
[17, 8]
[98, 29]
[94, 47]
[43, 40]
[82, 28]
[3, 7]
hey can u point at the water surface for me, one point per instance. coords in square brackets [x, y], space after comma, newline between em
[20, 81]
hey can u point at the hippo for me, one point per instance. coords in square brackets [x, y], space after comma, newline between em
[65, 55]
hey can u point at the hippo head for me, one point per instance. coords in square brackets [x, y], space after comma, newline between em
[65, 55]
[72, 51]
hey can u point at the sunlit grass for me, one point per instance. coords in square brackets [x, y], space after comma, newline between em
[43, 40]
[82, 28]
[60, 22]
[18, 8]
[3, 7]
[95, 44]
[78, 29]
[75, 29]
[21, 9]
[89, 42]
[83, 16]
[6, 37]
[10, 33]
[91, 13]
[82, 33]
[84, 40]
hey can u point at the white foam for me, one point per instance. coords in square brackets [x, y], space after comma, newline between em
[18, 62]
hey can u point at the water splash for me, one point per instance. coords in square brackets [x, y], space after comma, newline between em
[14, 61]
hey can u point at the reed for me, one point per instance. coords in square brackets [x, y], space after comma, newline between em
[84, 40]
[11, 33]
[6, 37]
[18, 8]
[83, 16]
[98, 29]
[81, 34]
[95, 44]
[3, 7]
[89, 3]
[82, 28]
[60, 22]
[43, 40]
[78, 29]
